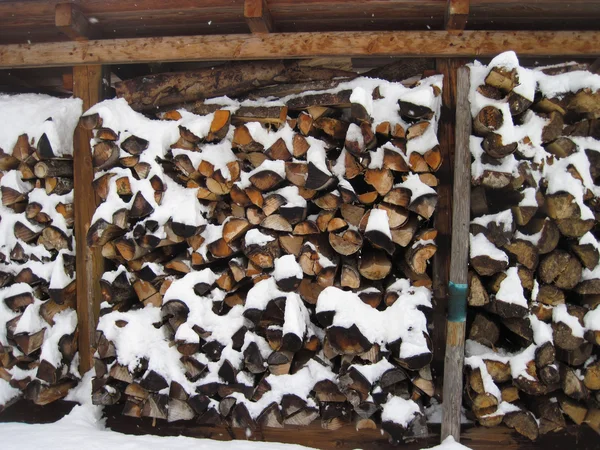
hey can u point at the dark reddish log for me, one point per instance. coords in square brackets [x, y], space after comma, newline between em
[148, 92]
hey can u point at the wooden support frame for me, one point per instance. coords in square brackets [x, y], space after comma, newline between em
[443, 219]
[258, 17]
[457, 14]
[87, 85]
[71, 22]
[456, 325]
[447, 45]
[301, 45]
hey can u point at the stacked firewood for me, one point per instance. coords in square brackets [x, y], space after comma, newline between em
[38, 343]
[534, 283]
[270, 257]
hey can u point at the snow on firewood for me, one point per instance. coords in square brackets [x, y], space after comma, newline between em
[534, 245]
[38, 343]
[542, 331]
[403, 320]
[373, 372]
[416, 186]
[255, 237]
[36, 115]
[299, 384]
[230, 225]
[400, 411]
[12, 180]
[378, 221]
[561, 314]
[511, 290]
[287, 267]
[481, 246]
[503, 220]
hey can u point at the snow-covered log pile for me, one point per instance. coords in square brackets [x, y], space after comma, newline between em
[38, 344]
[534, 284]
[270, 257]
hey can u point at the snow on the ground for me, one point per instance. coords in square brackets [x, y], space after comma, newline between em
[84, 428]
[449, 444]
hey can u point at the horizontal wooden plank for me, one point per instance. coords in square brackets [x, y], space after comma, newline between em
[30, 20]
[300, 45]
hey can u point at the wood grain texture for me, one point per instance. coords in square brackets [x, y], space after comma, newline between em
[457, 13]
[300, 45]
[34, 19]
[258, 17]
[443, 217]
[87, 85]
[462, 182]
[71, 22]
[455, 331]
[453, 380]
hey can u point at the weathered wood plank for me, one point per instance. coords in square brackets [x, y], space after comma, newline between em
[457, 13]
[87, 85]
[301, 45]
[258, 17]
[443, 217]
[71, 22]
[455, 338]
[462, 179]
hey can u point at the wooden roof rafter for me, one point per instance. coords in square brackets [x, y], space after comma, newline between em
[258, 17]
[33, 20]
[457, 14]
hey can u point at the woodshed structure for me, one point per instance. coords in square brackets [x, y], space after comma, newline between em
[161, 56]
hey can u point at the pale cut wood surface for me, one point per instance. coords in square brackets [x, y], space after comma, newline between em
[455, 337]
[300, 45]
[87, 85]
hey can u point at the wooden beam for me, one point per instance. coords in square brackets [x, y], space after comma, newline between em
[457, 13]
[457, 289]
[69, 19]
[87, 85]
[258, 17]
[443, 212]
[301, 45]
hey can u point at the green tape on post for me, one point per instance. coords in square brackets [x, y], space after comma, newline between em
[457, 302]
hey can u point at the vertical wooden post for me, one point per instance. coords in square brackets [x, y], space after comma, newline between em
[443, 212]
[87, 85]
[457, 289]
